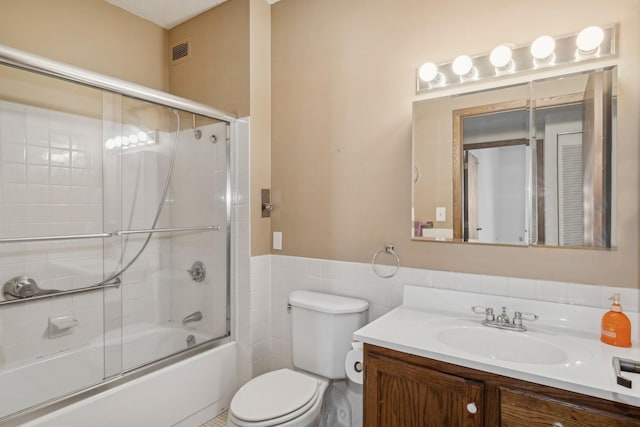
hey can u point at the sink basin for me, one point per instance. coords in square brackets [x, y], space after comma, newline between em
[502, 345]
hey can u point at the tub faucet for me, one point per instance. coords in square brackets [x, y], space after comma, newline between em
[193, 317]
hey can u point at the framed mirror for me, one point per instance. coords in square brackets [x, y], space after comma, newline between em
[531, 164]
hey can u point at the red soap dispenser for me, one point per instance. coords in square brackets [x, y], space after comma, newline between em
[616, 327]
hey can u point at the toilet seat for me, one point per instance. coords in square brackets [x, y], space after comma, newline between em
[274, 398]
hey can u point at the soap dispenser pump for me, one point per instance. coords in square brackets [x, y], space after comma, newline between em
[616, 326]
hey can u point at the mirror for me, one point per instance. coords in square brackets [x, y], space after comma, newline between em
[530, 164]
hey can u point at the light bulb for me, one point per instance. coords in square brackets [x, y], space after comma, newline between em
[142, 136]
[501, 56]
[110, 144]
[590, 39]
[118, 140]
[543, 47]
[125, 140]
[133, 138]
[428, 72]
[462, 65]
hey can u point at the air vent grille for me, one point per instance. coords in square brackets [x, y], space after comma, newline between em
[180, 52]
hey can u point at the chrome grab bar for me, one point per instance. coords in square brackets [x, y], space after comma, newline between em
[106, 235]
[113, 284]
[51, 238]
[168, 230]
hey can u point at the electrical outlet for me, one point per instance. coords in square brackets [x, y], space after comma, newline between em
[277, 240]
[441, 214]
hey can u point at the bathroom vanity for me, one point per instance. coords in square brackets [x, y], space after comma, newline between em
[431, 362]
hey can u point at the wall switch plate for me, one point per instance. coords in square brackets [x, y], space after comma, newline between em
[441, 214]
[277, 240]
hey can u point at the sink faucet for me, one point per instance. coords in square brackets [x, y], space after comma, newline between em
[503, 318]
[502, 321]
[193, 317]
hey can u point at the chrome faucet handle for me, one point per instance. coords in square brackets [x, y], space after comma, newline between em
[531, 317]
[487, 311]
[518, 317]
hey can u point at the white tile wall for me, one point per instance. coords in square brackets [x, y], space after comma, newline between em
[241, 246]
[199, 199]
[54, 182]
[51, 184]
[358, 280]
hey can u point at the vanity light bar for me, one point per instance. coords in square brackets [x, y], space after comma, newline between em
[589, 44]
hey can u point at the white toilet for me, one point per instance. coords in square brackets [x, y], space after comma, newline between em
[322, 327]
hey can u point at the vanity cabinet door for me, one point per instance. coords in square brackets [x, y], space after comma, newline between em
[523, 409]
[401, 394]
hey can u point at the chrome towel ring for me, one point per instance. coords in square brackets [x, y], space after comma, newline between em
[388, 249]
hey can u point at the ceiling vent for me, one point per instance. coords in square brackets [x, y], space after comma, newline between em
[180, 51]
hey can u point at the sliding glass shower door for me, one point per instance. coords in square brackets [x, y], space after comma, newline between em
[114, 235]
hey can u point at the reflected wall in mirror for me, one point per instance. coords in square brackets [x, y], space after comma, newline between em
[530, 164]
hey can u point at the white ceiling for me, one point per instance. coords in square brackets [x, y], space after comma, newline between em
[168, 13]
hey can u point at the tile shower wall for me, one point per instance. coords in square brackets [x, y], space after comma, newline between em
[358, 280]
[52, 184]
[205, 194]
[242, 263]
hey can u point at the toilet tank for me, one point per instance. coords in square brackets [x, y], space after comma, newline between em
[322, 327]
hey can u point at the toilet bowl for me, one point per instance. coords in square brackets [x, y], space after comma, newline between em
[322, 327]
[279, 398]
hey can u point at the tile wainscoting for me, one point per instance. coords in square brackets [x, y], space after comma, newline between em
[274, 276]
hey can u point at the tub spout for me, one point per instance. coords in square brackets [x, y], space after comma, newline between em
[193, 317]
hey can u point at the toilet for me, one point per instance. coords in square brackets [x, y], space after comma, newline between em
[322, 327]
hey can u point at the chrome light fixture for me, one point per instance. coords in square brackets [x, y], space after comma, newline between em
[590, 44]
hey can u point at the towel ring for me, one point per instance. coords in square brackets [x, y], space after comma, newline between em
[388, 249]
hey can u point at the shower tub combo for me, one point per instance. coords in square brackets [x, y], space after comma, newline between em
[115, 223]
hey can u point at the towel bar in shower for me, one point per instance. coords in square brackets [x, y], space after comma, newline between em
[51, 238]
[168, 230]
[106, 235]
[112, 284]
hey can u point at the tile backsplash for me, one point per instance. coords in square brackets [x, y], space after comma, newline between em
[358, 280]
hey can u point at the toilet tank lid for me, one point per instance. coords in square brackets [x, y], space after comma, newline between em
[326, 303]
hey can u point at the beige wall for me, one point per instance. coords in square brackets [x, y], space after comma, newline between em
[260, 54]
[91, 34]
[217, 73]
[230, 69]
[342, 89]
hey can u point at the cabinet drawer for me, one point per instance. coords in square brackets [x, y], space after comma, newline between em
[524, 409]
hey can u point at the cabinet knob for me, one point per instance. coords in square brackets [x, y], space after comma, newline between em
[472, 408]
[557, 424]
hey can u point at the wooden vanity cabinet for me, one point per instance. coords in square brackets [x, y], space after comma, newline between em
[403, 390]
[520, 409]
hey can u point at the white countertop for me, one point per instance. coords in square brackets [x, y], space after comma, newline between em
[428, 314]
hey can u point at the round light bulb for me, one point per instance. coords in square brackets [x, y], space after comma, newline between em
[118, 141]
[590, 39]
[142, 136]
[543, 47]
[501, 56]
[133, 138]
[462, 65]
[428, 72]
[125, 141]
[110, 144]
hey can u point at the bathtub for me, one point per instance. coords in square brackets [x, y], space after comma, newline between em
[186, 392]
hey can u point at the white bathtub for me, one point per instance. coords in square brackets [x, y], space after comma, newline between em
[197, 387]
